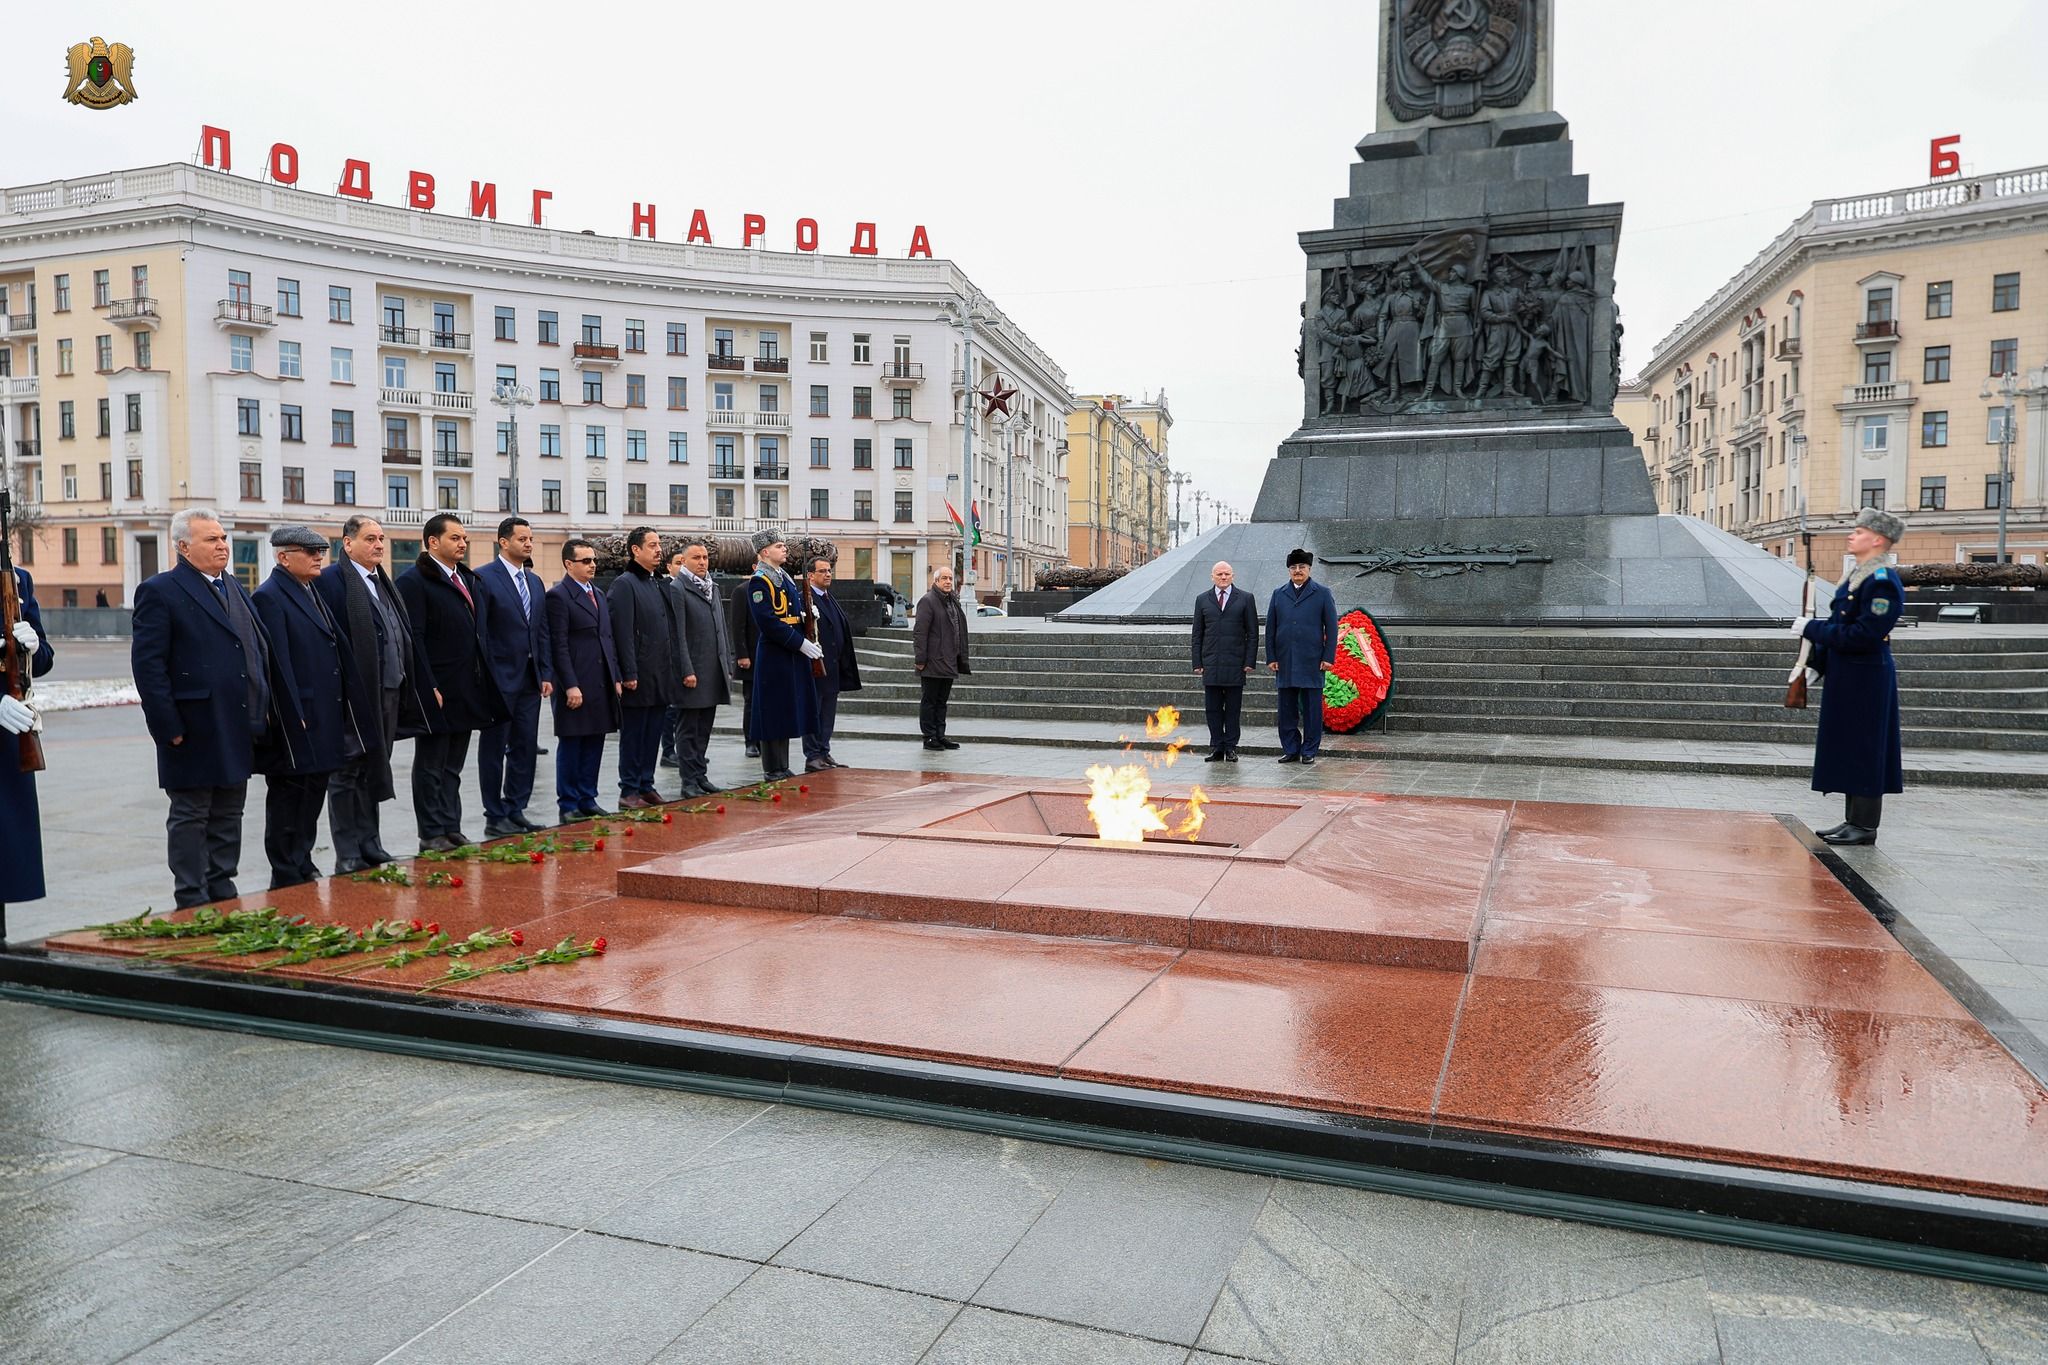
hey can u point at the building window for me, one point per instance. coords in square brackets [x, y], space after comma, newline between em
[863, 349]
[67, 420]
[1994, 490]
[678, 500]
[106, 416]
[550, 495]
[505, 323]
[248, 417]
[593, 442]
[721, 396]
[294, 483]
[863, 402]
[770, 451]
[636, 390]
[678, 447]
[135, 479]
[241, 354]
[636, 447]
[394, 371]
[899, 401]
[1877, 367]
[138, 282]
[504, 495]
[723, 501]
[771, 504]
[593, 330]
[679, 338]
[550, 326]
[821, 502]
[102, 289]
[821, 400]
[289, 361]
[900, 351]
[341, 365]
[291, 422]
[1941, 299]
[68, 482]
[550, 386]
[345, 487]
[863, 453]
[110, 541]
[1877, 434]
[288, 298]
[724, 461]
[1994, 425]
[903, 460]
[769, 398]
[820, 350]
[1934, 366]
[636, 338]
[769, 344]
[106, 481]
[1873, 493]
[447, 495]
[64, 357]
[444, 377]
[63, 305]
[636, 499]
[594, 499]
[863, 505]
[446, 439]
[70, 545]
[397, 493]
[903, 506]
[821, 452]
[1934, 494]
[2005, 356]
[678, 393]
[2005, 292]
[342, 427]
[341, 305]
[721, 342]
[142, 350]
[551, 442]
[103, 353]
[252, 481]
[1877, 305]
[1934, 428]
[593, 387]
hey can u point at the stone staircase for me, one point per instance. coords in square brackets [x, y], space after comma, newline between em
[1958, 692]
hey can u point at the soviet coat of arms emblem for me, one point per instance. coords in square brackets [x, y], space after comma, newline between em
[101, 74]
[1449, 57]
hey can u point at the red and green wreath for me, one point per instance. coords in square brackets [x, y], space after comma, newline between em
[1356, 690]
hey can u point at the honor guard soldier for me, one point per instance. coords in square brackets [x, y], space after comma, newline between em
[785, 696]
[1857, 750]
[21, 825]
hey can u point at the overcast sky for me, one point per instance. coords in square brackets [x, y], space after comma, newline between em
[1127, 180]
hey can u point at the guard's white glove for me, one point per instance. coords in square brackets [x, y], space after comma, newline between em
[811, 650]
[25, 636]
[16, 716]
[1799, 625]
[1813, 677]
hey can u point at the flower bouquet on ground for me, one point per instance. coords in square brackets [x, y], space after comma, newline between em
[1357, 688]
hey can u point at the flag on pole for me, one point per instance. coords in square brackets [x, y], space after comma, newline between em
[974, 516]
[960, 524]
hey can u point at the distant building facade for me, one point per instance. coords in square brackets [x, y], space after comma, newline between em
[1119, 478]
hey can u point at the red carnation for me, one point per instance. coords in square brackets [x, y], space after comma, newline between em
[535, 856]
[417, 925]
[517, 938]
[597, 945]
[599, 845]
[628, 832]
[803, 787]
[721, 810]
[668, 817]
[433, 928]
[777, 798]
[455, 881]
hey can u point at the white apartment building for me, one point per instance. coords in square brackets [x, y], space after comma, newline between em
[174, 336]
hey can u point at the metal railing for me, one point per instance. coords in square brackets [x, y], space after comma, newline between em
[912, 370]
[132, 310]
[448, 341]
[592, 350]
[398, 336]
[401, 455]
[453, 459]
[246, 314]
[1883, 329]
[28, 450]
[18, 323]
[716, 361]
[728, 471]
[771, 471]
[771, 364]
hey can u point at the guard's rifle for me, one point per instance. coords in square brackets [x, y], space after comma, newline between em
[1795, 686]
[15, 662]
[810, 615]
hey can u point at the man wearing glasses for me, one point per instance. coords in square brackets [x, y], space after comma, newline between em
[318, 734]
[587, 680]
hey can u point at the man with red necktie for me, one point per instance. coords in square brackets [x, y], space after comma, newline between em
[448, 607]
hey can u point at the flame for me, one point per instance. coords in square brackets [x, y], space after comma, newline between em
[1119, 798]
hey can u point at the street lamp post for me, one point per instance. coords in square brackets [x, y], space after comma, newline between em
[964, 313]
[2006, 386]
[512, 397]
[1799, 477]
[1013, 426]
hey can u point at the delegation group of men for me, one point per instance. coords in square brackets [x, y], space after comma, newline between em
[313, 678]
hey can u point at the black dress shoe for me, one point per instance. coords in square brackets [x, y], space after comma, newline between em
[594, 813]
[817, 765]
[570, 817]
[1290, 758]
[1216, 757]
[949, 743]
[708, 788]
[669, 761]
[1230, 756]
[836, 763]
[459, 840]
[1850, 836]
[495, 830]
[378, 856]
[753, 751]
[1308, 760]
[1832, 830]
[526, 824]
[344, 866]
[935, 744]
[779, 775]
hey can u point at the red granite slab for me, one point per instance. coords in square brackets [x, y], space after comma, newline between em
[1673, 900]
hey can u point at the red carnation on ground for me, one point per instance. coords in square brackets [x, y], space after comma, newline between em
[599, 845]
[536, 856]
[434, 928]
[721, 810]
[668, 817]
[777, 798]
[804, 787]
[417, 926]
[597, 945]
[628, 832]
[455, 881]
[517, 938]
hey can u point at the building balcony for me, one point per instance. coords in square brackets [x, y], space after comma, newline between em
[1898, 393]
[454, 459]
[732, 419]
[771, 364]
[778, 473]
[1652, 432]
[904, 372]
[28, 450]
[229, 314]
[417, 516]
[17, 324]
[729, 471]
[1706, 396]
[427, 400]
[398, 336]
[27, 389]
[401, 455]
[1792, 407]
[449, 341]
[135, 314]
[595, 353]
[1880, 333]
[1788, 349]
[717, 361]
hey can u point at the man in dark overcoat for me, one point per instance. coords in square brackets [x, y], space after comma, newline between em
[523, 665]
[448, 608]
[739, 627]
[1857, 751]
[318, 672]
[1226, 650]
[209, 694]
[842, 669]
[1301, 645]
[365, 606]
[644, 628]
[587, 687]
[785, 698]
[705, 660]
[21, 832]
[939, 654]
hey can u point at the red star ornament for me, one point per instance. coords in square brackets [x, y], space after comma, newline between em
[995, 398]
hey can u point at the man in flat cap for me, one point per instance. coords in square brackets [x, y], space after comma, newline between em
[785, 696]
[1857, 750]
[1301, 645]
[317, 670]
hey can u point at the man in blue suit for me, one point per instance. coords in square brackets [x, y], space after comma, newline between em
[318, 672]
[1301, 646]
[523, 663]
[21, 834]
[203, 669]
